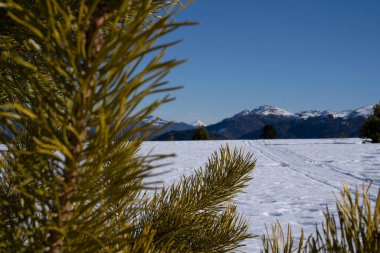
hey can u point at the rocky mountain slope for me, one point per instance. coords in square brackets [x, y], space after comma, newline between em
[248, 124]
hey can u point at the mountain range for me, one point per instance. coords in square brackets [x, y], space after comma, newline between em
[248, 124]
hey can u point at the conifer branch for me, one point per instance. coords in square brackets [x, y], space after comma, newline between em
[73, 77]
[196, 209]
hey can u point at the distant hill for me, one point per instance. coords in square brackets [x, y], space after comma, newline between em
[185, 136]
[307, 124]
[166, 126]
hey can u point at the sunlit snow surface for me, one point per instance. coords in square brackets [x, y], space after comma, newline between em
[293, 181]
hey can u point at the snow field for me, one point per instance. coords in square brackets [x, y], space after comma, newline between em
[293, 180]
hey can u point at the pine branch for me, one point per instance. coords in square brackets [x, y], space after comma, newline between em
[71, 165]
[76, 74]
[196, 211]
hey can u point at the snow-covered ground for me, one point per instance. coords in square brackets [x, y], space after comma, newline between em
[293, 181]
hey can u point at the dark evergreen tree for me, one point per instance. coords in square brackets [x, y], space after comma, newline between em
[371, 127]
[200, 134]
[376, 110]
[268, 132]
[171, 136]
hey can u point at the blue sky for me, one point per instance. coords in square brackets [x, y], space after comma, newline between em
[294, 54]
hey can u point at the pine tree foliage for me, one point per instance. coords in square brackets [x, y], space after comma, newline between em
[199, 210]
[355, 228]
[276, 240]
[73, 75]
[371, 127]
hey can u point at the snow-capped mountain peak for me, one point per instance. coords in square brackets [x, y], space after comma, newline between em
[361, 112]
[266, 110]
[365, 111]
[157, 121]
[312, 114]
[271, 110]
[198, 123]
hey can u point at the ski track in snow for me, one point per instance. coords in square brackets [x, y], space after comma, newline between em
[297, 165]
[293, 180]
